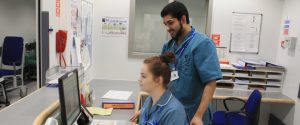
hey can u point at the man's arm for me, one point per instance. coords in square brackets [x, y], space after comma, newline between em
[206, 99]
[207, 96]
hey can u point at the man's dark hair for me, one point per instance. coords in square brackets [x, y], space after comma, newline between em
[176, 9]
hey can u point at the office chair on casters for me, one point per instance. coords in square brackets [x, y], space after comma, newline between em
[248, 115]
[12, 61]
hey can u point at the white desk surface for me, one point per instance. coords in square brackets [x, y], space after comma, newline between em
[27, 109]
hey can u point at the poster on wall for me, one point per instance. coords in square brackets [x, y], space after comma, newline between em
[81, 23]
[245, 32]
[114, 26]
[286, 27]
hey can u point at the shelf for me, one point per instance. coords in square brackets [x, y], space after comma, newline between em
[225, 85]
[247, 70]
[265, 80]
[229, 82]
[273, 85]
[250, 77]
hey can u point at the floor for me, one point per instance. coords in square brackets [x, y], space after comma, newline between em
[14, 95]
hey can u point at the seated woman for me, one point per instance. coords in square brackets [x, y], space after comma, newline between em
[161, 107]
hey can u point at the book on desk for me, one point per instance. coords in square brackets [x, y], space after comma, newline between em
[118, 104]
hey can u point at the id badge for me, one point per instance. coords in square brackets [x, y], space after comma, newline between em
[174, 75]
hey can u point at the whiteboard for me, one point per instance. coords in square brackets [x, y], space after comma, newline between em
[245, 32]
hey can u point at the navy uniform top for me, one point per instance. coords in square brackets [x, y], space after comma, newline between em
[167, 111]
[197, 64]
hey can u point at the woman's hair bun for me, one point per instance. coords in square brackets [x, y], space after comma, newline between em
[168, 57]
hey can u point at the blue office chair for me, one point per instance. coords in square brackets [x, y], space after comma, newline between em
[12, 61]
[248, 114]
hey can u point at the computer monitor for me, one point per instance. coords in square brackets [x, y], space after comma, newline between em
[69, 97]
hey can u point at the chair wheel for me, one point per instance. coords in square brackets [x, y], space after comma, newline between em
[23, 91]
[7, 103]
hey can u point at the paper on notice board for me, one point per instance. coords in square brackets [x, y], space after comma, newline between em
[245, 32]
[77, 47]
[120, 95]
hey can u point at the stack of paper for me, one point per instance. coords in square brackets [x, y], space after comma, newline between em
[120, 95]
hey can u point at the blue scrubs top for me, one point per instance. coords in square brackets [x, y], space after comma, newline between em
[167, 111]
[197, 64]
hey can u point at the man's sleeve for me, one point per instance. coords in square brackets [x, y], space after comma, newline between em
[206, 61]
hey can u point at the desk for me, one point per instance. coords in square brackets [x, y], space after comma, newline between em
[26, 110]
[267, 97]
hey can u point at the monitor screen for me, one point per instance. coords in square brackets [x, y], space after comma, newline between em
[69, 97]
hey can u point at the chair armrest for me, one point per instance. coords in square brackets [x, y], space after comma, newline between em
[233, 99]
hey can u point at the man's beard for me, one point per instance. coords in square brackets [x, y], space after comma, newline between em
[179, 33]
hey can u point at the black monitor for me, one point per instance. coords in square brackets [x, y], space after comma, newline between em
[69, 97]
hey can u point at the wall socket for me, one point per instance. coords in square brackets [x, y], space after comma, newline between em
[290, 42]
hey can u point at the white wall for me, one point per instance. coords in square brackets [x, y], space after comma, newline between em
[291, 60]
[110, 58]
[61, 23]
[271, 10]
[58, 23]
[18, 18]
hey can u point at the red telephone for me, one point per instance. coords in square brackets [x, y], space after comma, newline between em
[61, 42]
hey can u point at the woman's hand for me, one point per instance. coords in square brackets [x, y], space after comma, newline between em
[196, 121]
[135, 116]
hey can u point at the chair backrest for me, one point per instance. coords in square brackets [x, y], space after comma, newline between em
[252, 107]
[12, 51]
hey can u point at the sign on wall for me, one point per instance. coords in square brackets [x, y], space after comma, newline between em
[57, 8]
[114, 26]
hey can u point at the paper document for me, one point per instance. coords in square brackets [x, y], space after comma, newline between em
[121, 95]
[53, 83]
[110, 122]
[104, 122]
[100, 111]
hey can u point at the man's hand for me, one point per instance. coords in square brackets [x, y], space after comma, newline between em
[135, 116]
[207, 96]
[196, 121]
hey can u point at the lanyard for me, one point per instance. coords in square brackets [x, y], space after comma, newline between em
[184, 46]
[148, 116]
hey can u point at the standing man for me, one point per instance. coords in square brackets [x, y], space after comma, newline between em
[196, 68]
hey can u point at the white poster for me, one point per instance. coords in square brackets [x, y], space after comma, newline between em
[81, 22]
[114, 26]
[245, 32]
